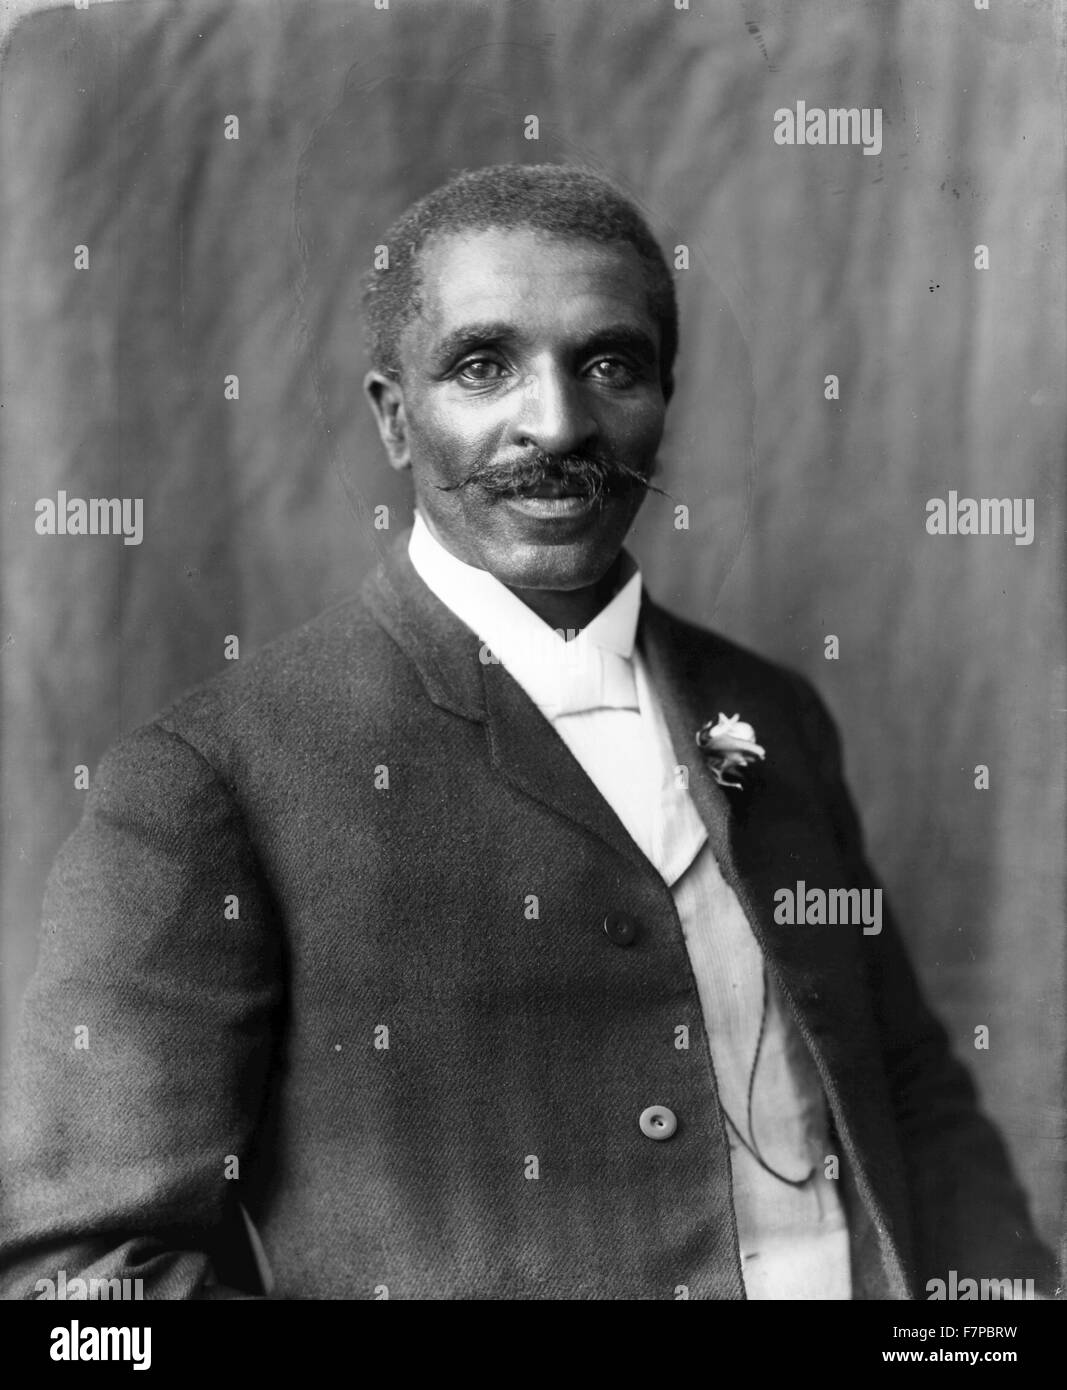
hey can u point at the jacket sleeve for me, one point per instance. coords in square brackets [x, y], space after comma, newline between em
[968, 1210]
[146, 1036]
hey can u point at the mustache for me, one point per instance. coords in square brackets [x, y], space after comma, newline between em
[593, 473]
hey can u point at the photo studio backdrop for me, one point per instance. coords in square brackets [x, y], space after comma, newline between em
[208, 257]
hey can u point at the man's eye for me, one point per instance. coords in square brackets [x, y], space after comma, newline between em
[612, 369]
[481, 369]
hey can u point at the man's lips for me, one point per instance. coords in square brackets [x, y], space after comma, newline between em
[549, 508]
[553, 487]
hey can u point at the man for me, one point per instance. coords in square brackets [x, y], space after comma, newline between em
[431, 954]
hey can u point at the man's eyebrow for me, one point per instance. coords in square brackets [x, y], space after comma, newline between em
[472, 335]
[622, 335]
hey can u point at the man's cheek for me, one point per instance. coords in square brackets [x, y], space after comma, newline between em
[436, 458]
[449, 453]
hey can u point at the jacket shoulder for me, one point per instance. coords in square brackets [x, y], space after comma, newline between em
[709, 655]
[329, 668]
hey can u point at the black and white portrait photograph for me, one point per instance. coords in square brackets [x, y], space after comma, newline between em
[532, 690]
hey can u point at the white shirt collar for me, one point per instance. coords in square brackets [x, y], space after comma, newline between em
[523, 643]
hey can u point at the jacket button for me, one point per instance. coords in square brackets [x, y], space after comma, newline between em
[620, 928]
[657, 1122]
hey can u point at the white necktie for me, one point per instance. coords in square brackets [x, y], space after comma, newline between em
[589, 678]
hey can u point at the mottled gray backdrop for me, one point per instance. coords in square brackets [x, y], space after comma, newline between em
[210, 257]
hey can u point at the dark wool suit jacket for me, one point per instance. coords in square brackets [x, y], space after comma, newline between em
[240, 1063]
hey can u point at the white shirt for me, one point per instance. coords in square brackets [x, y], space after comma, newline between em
[793, 1241]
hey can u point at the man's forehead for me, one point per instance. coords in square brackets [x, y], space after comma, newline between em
[482, 275]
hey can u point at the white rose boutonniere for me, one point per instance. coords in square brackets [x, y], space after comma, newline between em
[729, 746]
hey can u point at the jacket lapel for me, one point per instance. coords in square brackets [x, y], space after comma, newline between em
[527, 751]
[683, 695]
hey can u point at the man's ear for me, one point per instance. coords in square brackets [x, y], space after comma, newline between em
[386, 397]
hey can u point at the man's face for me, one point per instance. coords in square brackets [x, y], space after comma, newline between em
[530, 405]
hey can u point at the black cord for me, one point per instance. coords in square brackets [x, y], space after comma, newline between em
[753, 1148]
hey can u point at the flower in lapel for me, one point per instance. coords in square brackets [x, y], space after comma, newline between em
[729, 746]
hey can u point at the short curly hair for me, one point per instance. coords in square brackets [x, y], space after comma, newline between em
[557, 199]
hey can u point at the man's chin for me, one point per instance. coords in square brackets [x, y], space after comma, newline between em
[558, 568]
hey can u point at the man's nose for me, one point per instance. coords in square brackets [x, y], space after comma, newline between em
[553, 414]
